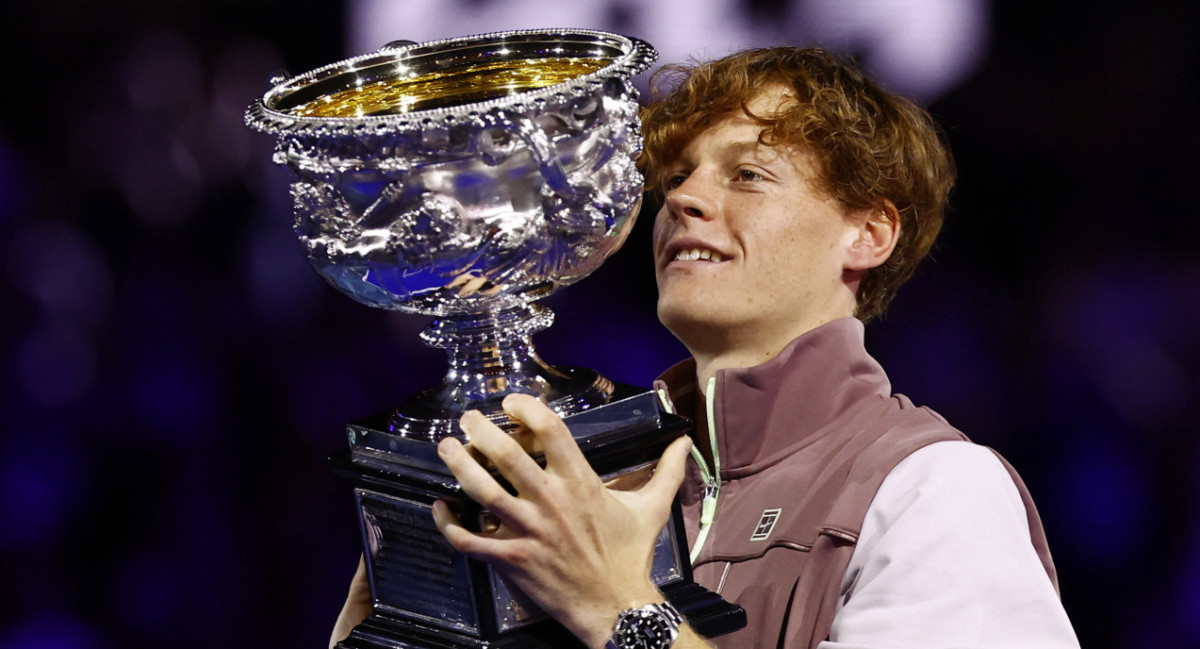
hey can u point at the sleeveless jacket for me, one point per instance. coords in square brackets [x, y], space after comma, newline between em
[803, 442]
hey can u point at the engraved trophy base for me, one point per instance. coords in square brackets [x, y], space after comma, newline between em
[428, 596]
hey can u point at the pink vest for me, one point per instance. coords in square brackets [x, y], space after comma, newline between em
[811, 433]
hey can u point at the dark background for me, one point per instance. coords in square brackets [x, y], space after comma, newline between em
[173, 374]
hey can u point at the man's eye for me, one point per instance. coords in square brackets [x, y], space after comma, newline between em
[748, 175]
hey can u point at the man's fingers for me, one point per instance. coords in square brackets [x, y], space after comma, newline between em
[475, 480]
[502, 450]
[552, 433]
[449, 525]
[464, 540]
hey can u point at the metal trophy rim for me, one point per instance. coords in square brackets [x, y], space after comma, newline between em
[263, 117]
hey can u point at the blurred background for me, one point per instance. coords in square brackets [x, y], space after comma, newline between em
[172, 374]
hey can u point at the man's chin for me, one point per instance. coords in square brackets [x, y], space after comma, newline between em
[692, 323]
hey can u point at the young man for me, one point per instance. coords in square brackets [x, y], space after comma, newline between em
[797, 197]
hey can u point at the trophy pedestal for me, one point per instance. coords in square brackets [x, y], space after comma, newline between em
[428, 596]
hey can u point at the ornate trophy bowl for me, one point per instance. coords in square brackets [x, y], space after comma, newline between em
[465, 179]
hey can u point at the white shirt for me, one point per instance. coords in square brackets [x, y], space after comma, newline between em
[944, 560]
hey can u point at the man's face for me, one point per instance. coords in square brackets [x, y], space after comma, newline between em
[746, 246]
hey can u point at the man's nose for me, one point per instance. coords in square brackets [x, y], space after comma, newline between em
[690, 199]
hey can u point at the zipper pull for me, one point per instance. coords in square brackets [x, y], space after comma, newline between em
[708, 506]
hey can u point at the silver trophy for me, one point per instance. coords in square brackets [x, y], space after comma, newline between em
[465, 179]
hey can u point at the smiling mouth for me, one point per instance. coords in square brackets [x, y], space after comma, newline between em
[698, 254]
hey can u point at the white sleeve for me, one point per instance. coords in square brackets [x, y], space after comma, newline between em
[945, 560]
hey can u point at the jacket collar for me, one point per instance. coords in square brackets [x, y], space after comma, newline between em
[766, 412]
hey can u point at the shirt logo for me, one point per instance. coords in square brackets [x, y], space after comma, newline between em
[766, 524]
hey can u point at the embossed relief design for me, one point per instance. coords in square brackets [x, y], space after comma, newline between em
[509, 204]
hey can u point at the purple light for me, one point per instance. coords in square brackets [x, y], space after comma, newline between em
[283, 289]
[175, 394]
[921, 48]
[148, 586]
[1188, 598]
[240, 72]
[32, 504]
[157, 166]
[621, 340]
[1101, 493]
[56, 365]
[38, 485]
[63, 269]
[1122, 322]
[50, 631]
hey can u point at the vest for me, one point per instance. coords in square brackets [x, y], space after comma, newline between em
[805, 439]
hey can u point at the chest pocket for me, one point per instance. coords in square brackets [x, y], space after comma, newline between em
[788, 589]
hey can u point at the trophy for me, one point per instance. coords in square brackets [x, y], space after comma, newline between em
[464, 179]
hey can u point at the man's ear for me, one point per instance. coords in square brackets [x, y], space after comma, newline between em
[876, 235]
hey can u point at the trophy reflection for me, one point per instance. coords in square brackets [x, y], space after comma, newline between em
[465, 179]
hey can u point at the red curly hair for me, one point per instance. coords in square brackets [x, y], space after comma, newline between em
[871, 145]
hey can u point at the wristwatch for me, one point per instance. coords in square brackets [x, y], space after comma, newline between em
[654, 626]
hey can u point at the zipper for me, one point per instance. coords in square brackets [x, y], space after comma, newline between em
[712, 479]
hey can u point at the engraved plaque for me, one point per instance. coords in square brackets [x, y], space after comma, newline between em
[414, 570]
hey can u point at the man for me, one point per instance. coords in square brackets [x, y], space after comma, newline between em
[797, 197]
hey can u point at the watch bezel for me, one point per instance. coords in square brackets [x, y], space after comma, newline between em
[655, 626]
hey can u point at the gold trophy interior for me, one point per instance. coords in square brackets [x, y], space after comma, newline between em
[412, 91]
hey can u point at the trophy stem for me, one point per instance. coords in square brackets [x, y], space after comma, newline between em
[491, 355]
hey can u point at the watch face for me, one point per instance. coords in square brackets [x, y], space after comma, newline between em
[642, 629]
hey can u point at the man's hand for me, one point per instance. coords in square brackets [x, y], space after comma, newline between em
[580, 550]
[357, 607]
